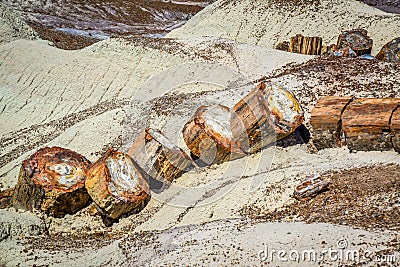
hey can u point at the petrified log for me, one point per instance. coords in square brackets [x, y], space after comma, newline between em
[52, 180]
[395, 129]
[305, 45]
[358, 40]
[326, 121]
[209, 137]
[390, 52]
[309, 187]
[366, 123]
[116, 185]
[159, 158]
[267, 114]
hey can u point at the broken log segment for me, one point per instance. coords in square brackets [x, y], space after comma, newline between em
[116, 185]
[305, 45]
[390, 52]
[52, 180]
[395, 129]
[326, 121]
[310, 186]
[159, 158]
[357, 39]
[209, 137]
[267, 114]
[366, 123]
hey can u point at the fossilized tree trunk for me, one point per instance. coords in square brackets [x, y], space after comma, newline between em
[358, 40]
[116, 185]
[209, 137]
[159, 158]
[326, 121]
[366, 123]
[395, 129]
[52, 180]
[267, 114]
[305, 45]
[390, 52]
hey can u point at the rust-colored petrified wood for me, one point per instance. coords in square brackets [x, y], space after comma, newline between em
[366, 123]
[158, 157]
[267, 114]
[209, 137]
[357, 39]
[395, 129]
[326, 121]
[305, 45]
[116, 185]
[390, 52]
[52, 180]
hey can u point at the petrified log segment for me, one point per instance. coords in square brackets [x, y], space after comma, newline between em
[209, 137]
[390, 52]
[358, 40]
[159, 158]
[395, 129]
[365, 123]
[305, 45]
[267, 114]
[52, 180]
[116, 185]
[326, 121]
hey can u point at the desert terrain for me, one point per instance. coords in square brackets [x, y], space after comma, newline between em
[232, 214]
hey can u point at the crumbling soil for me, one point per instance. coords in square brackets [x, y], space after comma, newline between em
[367, 197]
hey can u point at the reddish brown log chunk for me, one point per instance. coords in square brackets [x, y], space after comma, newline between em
[310, 187]
[116, 185]
[305, 45]
[390, 52]
[159, 158]
[52, 180]
[365, 123]
[267, 114]
[358, 40]
[326, 121]
[208, 135]
[395, 129]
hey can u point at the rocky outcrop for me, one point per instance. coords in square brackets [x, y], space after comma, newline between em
[271, 22]
[12, 27]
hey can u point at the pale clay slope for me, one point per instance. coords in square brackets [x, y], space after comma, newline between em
[78, 99]
[262, 23]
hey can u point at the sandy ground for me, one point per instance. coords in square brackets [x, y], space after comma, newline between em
[268, 23]
[104, 95]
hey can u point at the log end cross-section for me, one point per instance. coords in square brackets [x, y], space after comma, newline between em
[52, 180]
[209, 137]
[267, 114]
[116, 185]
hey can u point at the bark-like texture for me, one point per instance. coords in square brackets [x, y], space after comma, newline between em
[358, 40]
[395, 129]
[116, 185]
[326, 121]
[159, 158]
[267, 114]
[365, 123]
[305, 45]
[209, 137]
[52, 180]
[390, 52]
